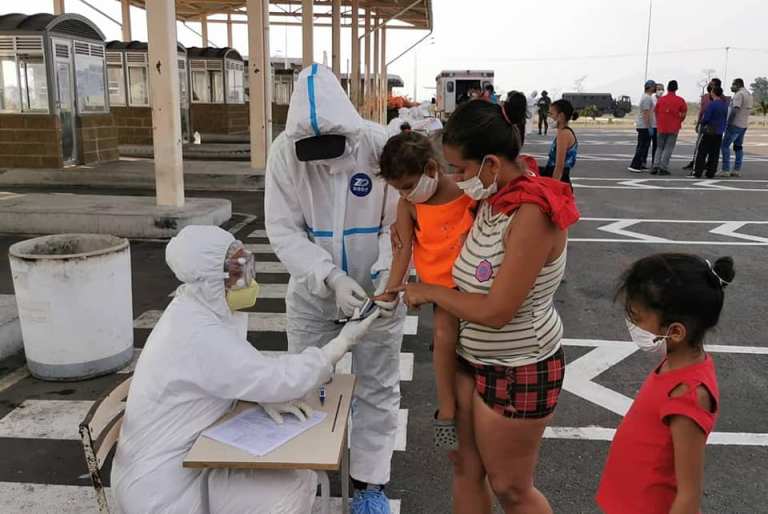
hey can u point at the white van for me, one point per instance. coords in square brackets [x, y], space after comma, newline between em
[454, 86]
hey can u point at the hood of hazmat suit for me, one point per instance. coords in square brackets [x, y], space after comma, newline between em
[195, 363]
[328, 215]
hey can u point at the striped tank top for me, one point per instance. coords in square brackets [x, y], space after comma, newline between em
[535, 332]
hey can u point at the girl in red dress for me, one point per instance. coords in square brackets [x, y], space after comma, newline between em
[656, 461]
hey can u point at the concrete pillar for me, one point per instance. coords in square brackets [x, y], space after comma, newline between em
[58, 6]
[373, 92]
[259, 82]
[366, 91]
[307, 26]
[126, 19]
[383, 76]
[336, 38]
[229, 30]
[166, 114]
[354, 79]
[204, 30]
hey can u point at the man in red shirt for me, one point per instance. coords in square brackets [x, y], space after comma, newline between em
[670, 114]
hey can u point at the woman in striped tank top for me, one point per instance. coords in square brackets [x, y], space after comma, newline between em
[510, 360]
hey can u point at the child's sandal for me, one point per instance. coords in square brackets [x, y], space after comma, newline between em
[444, 434]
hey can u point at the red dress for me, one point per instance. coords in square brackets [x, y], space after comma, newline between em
[639, 475]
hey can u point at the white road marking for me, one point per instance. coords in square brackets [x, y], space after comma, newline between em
[262, 321]
[402, 430]
[258, 233]
[579, 378]
[595, 433]
[270, 267]
[248, 219]
[259, 248]
[21, 498]
[45, 419]
[13, 378]
[619, 226]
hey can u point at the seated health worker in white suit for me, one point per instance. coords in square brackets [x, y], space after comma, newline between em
[328, 217]
[196, 363]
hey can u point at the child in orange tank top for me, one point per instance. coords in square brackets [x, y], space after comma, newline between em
[433, 218]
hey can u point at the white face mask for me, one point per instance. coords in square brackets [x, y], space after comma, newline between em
[647, 341]
[424, 190]
[552, 121]
[474, 187]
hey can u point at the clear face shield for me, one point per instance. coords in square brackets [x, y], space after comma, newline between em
[240, 267]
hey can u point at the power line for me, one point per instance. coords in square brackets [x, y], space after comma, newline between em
[604, 56]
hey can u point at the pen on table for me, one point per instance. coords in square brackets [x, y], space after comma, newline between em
[322, 394]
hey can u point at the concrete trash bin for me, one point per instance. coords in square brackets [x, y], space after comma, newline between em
[75, 304]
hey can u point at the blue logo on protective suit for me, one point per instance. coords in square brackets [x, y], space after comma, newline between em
[360, 184]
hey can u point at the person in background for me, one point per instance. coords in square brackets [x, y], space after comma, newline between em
[738, 121]
[489, 94]
[713, 124]
[516, 109]
[656, 461]
[670, 111]
[654, 133]
[706, 98]
[565, 146]
[643, 124]
[543, 110]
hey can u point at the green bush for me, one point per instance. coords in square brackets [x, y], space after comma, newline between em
[590, 111]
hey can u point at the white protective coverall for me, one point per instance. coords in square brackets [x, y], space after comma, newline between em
[325, 216]
[195, 363]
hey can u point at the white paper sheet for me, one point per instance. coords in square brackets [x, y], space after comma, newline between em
[256, 433]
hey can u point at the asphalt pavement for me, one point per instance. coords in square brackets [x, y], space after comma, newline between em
[624, 217]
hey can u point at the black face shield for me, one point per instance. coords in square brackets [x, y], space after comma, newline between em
[319, 148]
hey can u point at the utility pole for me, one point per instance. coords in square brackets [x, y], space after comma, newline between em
[725, 74]
[648, 40]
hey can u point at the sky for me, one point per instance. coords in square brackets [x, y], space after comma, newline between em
[530, 44]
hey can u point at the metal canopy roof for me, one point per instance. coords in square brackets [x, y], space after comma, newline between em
[66, 24]
[140, 46]
[194, 52]
[419, 16]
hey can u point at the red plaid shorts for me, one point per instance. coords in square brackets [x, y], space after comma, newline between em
[529, 391]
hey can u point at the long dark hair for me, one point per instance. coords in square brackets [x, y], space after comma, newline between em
[482, 128]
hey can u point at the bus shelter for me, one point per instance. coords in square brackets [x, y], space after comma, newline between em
[54, 109]
[130, 91]
[217, 91]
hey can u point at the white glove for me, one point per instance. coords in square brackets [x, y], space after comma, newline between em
[349, 336]
[387, 308]
[298, 408]
[349, 294]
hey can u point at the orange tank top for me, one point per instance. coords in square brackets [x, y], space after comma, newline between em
[440, 233]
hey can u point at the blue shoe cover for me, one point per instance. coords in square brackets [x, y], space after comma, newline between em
[370, 501]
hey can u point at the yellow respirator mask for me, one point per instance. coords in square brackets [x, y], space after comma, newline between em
[244, 297]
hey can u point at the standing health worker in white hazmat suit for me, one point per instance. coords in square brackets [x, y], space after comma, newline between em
[195, 363]
[327, 218]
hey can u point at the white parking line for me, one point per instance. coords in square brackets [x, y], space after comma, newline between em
[20, 497]
[579, 380]
[618, 226]
[13, 378]
[262, 321]
[45, 419]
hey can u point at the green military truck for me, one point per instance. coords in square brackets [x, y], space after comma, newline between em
[604, 102]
